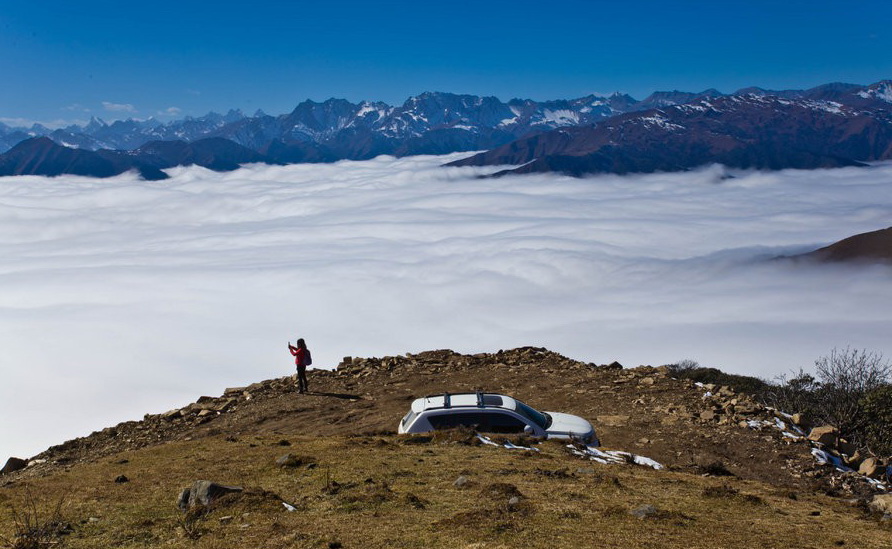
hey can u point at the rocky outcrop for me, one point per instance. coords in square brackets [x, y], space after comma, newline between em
[13, 464]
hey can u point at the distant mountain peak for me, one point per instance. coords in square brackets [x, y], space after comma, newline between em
[436, 122]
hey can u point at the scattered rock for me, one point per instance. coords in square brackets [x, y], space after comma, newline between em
[203, 492]
[13, 464]
[461, 482]
[120, 479]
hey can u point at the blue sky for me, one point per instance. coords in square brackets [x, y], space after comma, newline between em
[67, 61]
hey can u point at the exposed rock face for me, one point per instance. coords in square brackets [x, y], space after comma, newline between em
[203, 492]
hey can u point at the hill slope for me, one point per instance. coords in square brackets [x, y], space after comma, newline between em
[356, 484]
[750, 132]
[875, 246]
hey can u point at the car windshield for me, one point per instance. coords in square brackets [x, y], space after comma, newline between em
[537, 417]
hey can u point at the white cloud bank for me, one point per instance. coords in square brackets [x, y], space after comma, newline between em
[122, 297]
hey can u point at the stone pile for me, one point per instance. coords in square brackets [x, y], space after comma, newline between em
[446, 360]
[827, 438]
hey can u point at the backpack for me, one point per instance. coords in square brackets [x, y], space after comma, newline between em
[307, 358]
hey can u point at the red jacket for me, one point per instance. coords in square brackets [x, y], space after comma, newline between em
[299, 354]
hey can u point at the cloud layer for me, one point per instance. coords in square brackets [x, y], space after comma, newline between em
[122, 297]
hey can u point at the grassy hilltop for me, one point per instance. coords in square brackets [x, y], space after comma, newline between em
[730, 478]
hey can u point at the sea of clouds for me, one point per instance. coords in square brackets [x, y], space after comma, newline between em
[120, 297]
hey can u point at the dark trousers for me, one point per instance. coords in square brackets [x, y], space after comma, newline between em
[302, 379]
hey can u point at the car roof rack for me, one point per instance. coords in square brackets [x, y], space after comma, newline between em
[480, 403]
[446, 401]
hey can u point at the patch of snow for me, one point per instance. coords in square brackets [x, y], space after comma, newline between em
[828, 106]
[884, 92]
[367, 108]
[614, 456]
[488, 441]
[826, 458]
[660, 121]
[561, 117]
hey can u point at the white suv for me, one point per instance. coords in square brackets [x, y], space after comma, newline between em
[491, 413]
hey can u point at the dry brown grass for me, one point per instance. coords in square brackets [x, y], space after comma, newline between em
[391, 491]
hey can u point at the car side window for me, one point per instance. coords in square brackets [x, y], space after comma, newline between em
[504, 423]
[485, 422]
[447, 421]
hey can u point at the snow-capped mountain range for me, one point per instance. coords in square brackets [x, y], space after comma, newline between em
[741, 131]
[432, 122]
[667, 130]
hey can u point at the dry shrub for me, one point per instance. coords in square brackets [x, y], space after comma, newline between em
[36, 524]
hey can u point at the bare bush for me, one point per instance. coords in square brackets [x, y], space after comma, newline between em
[683, 366]
[793, 394]
[846, 377]
[35, 525]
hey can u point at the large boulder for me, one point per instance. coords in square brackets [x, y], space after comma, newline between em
[827, 435]
[13, 464]
[872, 467]
[203, 492]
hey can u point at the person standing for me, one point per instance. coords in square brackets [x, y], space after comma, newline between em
[301, 360]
